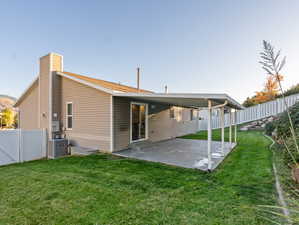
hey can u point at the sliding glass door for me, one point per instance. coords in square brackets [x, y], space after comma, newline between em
[138, 121]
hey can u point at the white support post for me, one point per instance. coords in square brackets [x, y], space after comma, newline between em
[235, 126]
[230, 126]
[209, 135]
[222, 129]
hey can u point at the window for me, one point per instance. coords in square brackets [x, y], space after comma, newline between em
[171, 113]
[69, 115]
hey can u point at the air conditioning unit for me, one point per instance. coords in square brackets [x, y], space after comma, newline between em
[57, 148]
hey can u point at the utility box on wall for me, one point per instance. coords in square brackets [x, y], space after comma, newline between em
[55, 126]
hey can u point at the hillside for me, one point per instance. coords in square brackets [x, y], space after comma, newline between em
[6, 102]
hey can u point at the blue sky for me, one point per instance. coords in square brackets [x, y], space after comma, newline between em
[192, 46]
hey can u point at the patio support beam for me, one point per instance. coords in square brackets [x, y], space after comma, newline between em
[222, 129]
[221, 107]
[230, 126]
[236, 126]
[209, 134]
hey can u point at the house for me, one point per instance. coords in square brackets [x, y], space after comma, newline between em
[107, 116]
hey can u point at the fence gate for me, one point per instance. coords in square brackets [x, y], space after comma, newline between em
[22, 145]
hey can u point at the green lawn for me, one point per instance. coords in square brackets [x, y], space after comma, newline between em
[216, 135]
[104, 189]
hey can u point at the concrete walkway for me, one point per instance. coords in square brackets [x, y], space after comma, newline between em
[180, 152]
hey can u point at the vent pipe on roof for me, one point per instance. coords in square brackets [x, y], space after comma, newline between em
[138, 78]
[166, 89]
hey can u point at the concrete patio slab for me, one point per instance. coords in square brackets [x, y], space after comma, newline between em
[180, 152]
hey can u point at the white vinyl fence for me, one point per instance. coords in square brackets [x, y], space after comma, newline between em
[249, 114]
[22, 145]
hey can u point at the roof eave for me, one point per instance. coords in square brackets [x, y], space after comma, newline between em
[232, 102]
[20, 99]
[98, 87]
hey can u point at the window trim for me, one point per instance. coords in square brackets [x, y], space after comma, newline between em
[67, 116]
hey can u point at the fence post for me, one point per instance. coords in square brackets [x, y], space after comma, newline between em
[209, 134]
[236, 127]
[20, 146]
[230, 126]
[44, 143]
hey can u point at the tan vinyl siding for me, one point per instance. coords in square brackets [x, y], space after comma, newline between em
[160, 125]
[56, 87]
[29, 109]
[44, 91]
[48, 65]
[56, 96]
[39, 103]
[91, 115]
[121, 123]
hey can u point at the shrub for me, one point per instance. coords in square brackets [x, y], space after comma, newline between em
[283, 125]
[291, 91]
[284, 137]
[290, 153]
[270, 127]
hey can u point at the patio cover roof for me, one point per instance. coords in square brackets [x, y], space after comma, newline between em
[194, 100]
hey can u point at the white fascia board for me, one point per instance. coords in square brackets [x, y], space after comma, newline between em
[205, 96]
[98, 87]
[174, 95]
[25, 92]
[230, 99]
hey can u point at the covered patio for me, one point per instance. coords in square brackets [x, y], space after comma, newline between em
[200, 154]
[181, 152]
